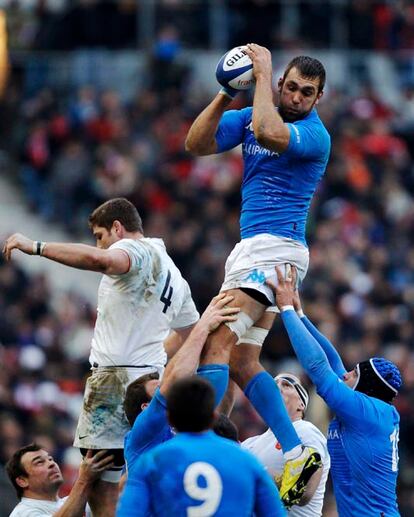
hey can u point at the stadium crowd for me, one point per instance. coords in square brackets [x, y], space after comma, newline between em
[71, 152]
[67, 25]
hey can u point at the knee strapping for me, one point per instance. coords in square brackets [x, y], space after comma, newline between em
[241, 325]
[254, 336]
[112, 475]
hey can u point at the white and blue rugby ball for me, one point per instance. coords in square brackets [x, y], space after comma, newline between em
[235, 69]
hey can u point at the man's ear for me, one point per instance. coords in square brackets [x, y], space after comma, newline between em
[318, 97]
[118, 228]
[280, 84]
[144, 405]
[22, 481]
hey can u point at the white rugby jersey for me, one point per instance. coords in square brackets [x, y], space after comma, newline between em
[267, 449]
[137, 310]
[36, 507]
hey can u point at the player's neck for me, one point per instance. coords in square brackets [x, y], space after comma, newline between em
[133, 235]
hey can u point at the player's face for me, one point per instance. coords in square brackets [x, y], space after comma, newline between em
[298, 95]
[291, 398]
[350, 378]
[43, 473]
[104, 238]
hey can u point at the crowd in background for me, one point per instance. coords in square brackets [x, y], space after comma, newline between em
[68, 24]
[73, 150]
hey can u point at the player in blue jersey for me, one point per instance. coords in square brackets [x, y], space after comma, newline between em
[145, 405]
[285, 153]
[198, 472]
[364, 436]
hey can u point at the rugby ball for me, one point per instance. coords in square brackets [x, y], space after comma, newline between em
[235, 69]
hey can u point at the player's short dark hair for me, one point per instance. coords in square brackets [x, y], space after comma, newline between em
[117, 209]
[14, 467]
[308, 67]
[224, 427]
[136, 395]
[190, 405]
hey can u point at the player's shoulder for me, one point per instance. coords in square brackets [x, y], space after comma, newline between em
[258, 440]
[30, 509]
[305, 426]
[312, 120]
[311, 436]
[378, 414]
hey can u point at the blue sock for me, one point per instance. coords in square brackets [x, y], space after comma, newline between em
[267, 400]
[218, 375]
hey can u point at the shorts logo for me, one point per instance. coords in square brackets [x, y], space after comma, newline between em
[256, 276]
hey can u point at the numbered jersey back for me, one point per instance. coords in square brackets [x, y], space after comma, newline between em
[137, 310]
[203, 475]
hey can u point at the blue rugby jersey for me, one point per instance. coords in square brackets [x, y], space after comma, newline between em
[200, 474]
[277, 188]
[368, 430]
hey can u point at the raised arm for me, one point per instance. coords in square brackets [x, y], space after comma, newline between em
[201, 139]
[186, 360]
[344, 401]
[269, 129]
[79, 256]
[90, 470]
[332, 354]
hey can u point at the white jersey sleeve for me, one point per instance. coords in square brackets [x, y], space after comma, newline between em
[188, 314]
[37, 508]
[138, 255]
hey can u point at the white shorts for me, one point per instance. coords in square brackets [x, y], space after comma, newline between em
[102, 423]
[253, 261]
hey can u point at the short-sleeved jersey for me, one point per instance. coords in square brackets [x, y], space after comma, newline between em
[368, 429]
[277, 188]
[340, 472]
[29, 507]
[137, 310]
[268, 451]
[200, 474]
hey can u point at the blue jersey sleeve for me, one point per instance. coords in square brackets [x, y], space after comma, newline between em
[333, 357]
[345, 402]
[149, 423]
[135, 498]
[230, 130]
[218, 376]
[267, 499]
[308, 140]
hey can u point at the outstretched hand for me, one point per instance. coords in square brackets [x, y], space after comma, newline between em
[217, 312]
[17, 241]
[285, 290]
[93, 465]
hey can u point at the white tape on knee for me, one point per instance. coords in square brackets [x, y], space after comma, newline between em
[241, 325]
[254, 336]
